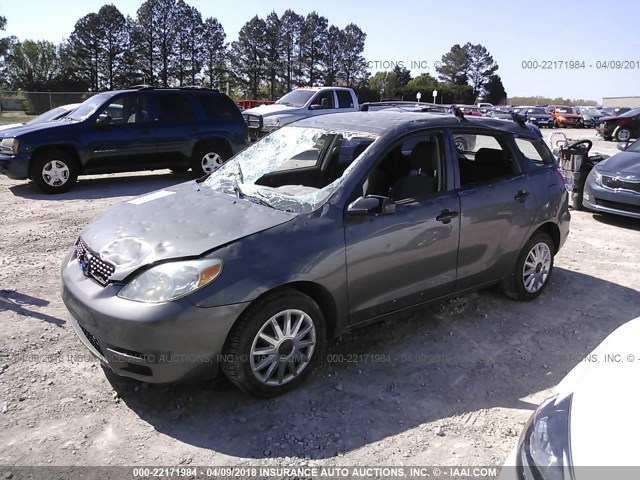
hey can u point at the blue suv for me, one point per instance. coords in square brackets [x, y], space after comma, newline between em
[124, 131]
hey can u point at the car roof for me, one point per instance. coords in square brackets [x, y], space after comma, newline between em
[377, 122]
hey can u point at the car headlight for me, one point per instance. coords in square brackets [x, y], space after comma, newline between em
[545, 445]
[9, 146]
[170, 281]
[271, 122]
[597, 177]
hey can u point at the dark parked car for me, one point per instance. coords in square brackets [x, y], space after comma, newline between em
[538, 116]
[123, 131]
[613, 186]
[590, 116]
[622, 128]
[615, 111]
[322, 226]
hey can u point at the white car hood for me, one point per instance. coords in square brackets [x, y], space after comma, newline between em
[604, 410]
[266, 110]
[10, 125]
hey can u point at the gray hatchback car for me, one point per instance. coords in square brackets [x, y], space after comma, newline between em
[320, 227]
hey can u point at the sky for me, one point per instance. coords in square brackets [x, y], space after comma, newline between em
[417, 34]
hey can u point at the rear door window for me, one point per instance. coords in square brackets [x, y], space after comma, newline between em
[344, 99]
[216, 107]
[174, 108]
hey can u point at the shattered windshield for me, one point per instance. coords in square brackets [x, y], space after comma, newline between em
[294, 169]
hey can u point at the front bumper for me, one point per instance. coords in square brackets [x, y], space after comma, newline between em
[15, 166]
[606, 200]
[542, 122]
[155, 343]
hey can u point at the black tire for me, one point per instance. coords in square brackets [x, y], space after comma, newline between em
[237, 350]
[65, 166]
[513, 285]
[623, 138]
[212, 149]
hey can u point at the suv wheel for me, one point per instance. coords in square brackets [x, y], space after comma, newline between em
[54, 171]
[208, 158]
[276, 344]
[533, 269]
[623, 135]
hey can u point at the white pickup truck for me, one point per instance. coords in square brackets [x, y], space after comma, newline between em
[297, 104]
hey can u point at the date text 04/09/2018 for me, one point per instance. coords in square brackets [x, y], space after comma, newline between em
[580, 64]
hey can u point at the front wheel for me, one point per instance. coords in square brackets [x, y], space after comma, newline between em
[276, 344]
[532, 270]
[54, 171]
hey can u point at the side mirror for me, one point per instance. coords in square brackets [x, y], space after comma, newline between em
[623, 146]
[315, 107]
[371, 205]
[103, 119]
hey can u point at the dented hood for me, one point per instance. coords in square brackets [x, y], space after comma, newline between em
[181, 221]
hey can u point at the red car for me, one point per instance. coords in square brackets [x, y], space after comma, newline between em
[622, 128]
[470, 110]
[564, 116]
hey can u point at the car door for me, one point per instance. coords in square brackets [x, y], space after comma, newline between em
[406, 257]
[316, 107]
[176, 123]
[497, 207]
[122, 137]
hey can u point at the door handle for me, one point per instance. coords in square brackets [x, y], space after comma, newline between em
[521, 196]
[447, 215]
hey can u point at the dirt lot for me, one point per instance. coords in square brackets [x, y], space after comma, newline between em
[461, 379]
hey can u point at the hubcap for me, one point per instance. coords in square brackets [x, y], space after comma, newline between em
[536, 267]
[211, 162]
[283, 347]
[55, 173]
[624, 135]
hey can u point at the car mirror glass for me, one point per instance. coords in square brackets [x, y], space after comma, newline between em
[103, 119]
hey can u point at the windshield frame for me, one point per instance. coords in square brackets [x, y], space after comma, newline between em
[95, 101]
[286, 99]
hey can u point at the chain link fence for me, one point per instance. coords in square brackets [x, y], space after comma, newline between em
[35, 103]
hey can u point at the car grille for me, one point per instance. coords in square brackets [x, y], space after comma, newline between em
[625, 207]
[92, 265]
[618, 183]
[92, 340]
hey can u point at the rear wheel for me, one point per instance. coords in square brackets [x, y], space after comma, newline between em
[276, 344]
[208, 158]
[532, 270]
[54, 171]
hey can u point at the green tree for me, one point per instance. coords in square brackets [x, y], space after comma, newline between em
[424, 83]
[290, 31]
[454, 67]
[385, 83]
[144, 38]
[312, 42]
[188, 43]
[33, 65]
[213, 53]
[131, 72]
[86, 47]
[248, 55]
[111, 40]
[494, 91]
[353, 65]
[334, 50]
[481, 67]
[273, 65]
[403, 74]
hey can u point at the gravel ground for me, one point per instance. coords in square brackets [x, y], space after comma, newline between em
[453, 384]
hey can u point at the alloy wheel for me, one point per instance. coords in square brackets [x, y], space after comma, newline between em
[283, 347]
[211, 162]
[55, 173]
[536, 267]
